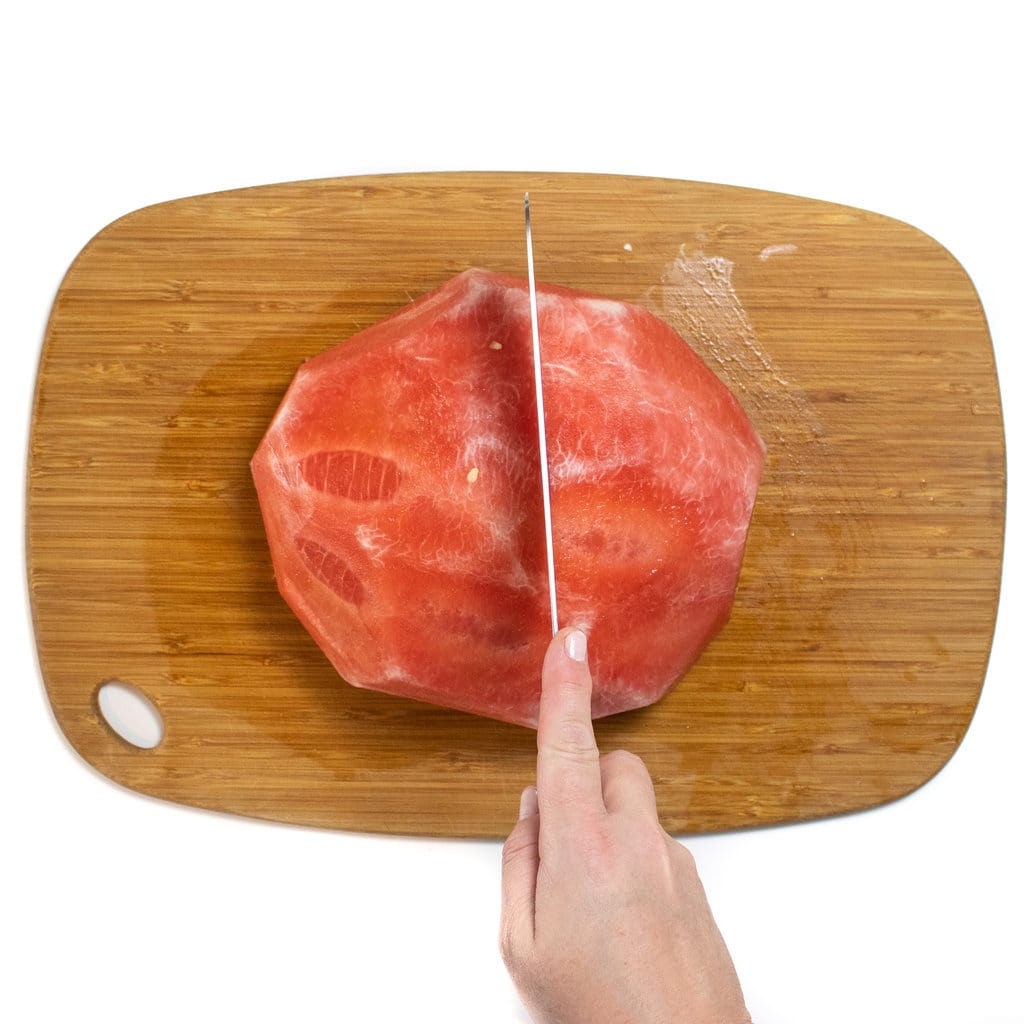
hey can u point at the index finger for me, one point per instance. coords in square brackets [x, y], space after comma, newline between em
[568, 762]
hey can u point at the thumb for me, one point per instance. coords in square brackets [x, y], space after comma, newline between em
[519, 863]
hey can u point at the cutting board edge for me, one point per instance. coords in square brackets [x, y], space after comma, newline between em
[560, 177]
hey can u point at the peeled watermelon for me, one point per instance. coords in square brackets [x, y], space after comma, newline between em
[399, 483]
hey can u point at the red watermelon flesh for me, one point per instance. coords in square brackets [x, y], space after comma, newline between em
[400, 489]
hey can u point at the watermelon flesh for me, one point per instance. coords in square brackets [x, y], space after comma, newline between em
[399, 484]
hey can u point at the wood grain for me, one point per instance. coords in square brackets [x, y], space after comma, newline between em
[856, 651]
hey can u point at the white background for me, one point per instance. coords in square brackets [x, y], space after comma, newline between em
[114, 904]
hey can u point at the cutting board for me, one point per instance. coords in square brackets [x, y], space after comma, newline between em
[855, 654]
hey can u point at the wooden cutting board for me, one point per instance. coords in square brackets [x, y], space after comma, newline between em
[856, 651]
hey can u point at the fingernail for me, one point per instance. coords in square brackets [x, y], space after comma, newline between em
[576, 645]
[528, 802]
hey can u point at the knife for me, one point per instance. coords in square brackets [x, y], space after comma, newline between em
[541, 432]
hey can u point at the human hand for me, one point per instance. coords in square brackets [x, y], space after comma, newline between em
[603, 917]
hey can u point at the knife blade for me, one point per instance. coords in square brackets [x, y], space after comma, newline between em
[541, 431]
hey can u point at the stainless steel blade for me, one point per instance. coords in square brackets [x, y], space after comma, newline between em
[541, 431]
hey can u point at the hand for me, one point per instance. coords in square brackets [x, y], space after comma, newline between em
[603, 917]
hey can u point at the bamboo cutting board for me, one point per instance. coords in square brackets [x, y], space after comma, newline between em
[857, 647]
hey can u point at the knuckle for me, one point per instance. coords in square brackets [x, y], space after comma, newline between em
[624, 760]
[574, 740]
[507, 945]
[518, 844]
[516, 959]
[598, 850]
[684, 858]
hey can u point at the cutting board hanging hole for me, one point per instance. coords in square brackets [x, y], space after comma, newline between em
[130, 714]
